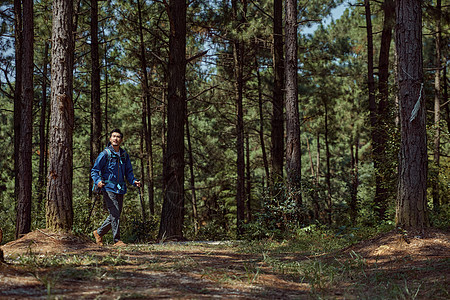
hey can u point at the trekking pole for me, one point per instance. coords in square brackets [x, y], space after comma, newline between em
[92, 209]
[142, 203]
[140, 194]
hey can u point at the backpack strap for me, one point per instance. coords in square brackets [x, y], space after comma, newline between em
[108, 153]
[120, 157]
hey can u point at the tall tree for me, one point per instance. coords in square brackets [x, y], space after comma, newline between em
[96, 120]
[238, 55]
[106, 74]
[23, 220]
[17, 92]
[328, 164]
[380, 193]
[59, 210]
[293, 151]
[437, 107]
[277, 133]
[192, 178]
[42, 129]
[248, 179]
[411, 211]
[353, 203]
[143, 163]
[172, 215]
[383, 189]
[261, 122]
[146, 114]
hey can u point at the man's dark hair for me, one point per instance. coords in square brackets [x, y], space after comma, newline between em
[118, 131]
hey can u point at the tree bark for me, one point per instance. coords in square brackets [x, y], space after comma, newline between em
[261, 122]
[248, 180]
[353, 205]
[17, 93]
[293, 150]
[172, 215]
[377, 141]
[445, 91]
[238, 53]
[384, 179]
[23, 219]
[411, 211]
[96, 120]
[43, 141]
[192, 178]
[329, 209]
[143, 164]
[106, 90]
[146, 118]
[59, 211]
[437, 110]
[317, 179]
[277, 133]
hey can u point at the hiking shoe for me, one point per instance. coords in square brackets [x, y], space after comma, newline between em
[119, 244]
[98, 238]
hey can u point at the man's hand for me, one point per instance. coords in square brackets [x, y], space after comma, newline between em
[101, 184]
[137, 183]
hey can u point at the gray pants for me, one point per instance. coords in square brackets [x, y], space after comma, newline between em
[114, 203]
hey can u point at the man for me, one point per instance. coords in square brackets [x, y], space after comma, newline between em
[110, 169]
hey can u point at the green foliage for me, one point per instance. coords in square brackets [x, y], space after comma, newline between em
[441, 219]
[332, 89]
[213, 231]
[143, 231]
[7, 199]
[277, 216]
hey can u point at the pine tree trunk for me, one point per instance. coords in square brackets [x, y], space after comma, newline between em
[42, 131]
[411, 212]
[293, 151]
[172, 215]
[277, 133]
[385, 181]
[238, 52]
[317, 180]
[377, 144]
[105, 112]
[353, 205]
[192, 178]
[96, 120]
[144, 153]
[249, 181]
[149, 151]
[146, 118]
[59, 211]
[143, 163]
[329, 209]
[437, 110]
[445, 91]
[261, 122]
[23, 210]
[163, 128]
[17, 93]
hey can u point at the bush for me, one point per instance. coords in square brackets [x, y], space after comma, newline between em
[441, 219]
[142, 231]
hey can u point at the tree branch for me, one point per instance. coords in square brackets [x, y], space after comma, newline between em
[196, 56]
[261, 10]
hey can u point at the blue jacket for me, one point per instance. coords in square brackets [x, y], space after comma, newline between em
[113, 169]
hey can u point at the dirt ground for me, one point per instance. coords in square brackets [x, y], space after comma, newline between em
[46, 265]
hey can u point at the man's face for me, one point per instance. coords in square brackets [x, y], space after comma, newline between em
[115, 139]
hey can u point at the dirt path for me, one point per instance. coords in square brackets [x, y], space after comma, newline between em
[45, 265]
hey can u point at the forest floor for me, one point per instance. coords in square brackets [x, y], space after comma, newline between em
[46, 265]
